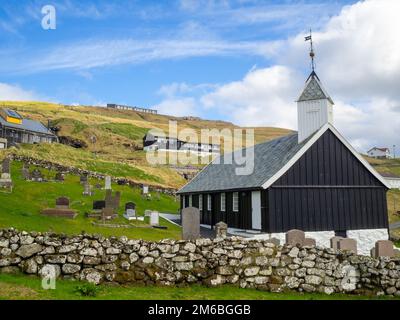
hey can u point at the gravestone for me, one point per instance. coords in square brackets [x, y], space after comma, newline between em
[384, 248]
[59, 176]
[335, 242]
[98, 186]
[117, 199]
[109, 199]
[221, 230]
[154, 218]
[130, 205]
[145, 189]
[99, 204]
[87, 189]
[107, 183]
[36, 175]
[83, 179]
[108, 214]
[5, 167]
[190, 223]
[130, 211]
[25, 173]
[310, 242]
[147, 213]
[295, 237]
[62, 203]
[348, 244]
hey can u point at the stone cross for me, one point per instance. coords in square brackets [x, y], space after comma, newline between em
[221, 230]
[190, 223]
[295, 237]
[83, 179]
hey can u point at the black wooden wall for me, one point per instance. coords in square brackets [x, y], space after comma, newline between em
[240, 219]
[326, 189]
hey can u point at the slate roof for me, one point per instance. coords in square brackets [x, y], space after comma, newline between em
[29, 125]
[314, 90]
[269, 158]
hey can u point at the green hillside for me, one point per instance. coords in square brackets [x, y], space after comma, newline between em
[117, 147]
[21, 208]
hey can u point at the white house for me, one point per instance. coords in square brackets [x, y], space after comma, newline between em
[379, 153]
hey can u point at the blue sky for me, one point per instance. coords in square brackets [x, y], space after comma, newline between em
[243, 61]
[156, 29]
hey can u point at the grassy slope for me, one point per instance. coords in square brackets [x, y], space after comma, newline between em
[18, 287]
[118, 132]
[25, 215]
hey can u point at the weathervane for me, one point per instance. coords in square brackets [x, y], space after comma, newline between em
[312, 54]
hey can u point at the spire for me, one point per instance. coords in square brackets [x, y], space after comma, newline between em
[312, 54]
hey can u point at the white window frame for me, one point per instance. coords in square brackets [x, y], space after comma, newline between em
[223, 202]
[190, 200]
[235, 202]
[200, 202]
[209, 207]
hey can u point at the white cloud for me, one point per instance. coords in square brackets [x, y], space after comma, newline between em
[14, 92]
[358, 61]
[177, 107]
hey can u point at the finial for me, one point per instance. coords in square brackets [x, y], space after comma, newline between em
[312, 54]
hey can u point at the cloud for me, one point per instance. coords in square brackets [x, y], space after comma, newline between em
[14, 92]
[358, 61]
[177, 107]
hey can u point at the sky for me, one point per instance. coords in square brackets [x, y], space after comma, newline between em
[243, 61]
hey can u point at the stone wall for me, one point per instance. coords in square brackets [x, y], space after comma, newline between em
[246, 263]
[76, 171]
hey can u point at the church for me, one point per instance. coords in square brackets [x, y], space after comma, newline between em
[312, 180]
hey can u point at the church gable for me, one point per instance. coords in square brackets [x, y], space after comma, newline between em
[328, 162]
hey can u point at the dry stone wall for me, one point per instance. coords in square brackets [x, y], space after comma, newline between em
[249, 264]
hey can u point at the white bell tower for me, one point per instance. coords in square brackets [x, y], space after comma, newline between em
[314, 106]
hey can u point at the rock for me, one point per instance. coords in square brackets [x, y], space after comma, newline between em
[215, 280]
[113, 251]
[91, 260]
[315, 280]
[224, 270]
[293, 252]
[143, 251]
[5, 252]
[184, 266]
[5, 262]
[148, 260]
[29, 250]
[89, 252]
[4, 243]
[133, 257]
[69, 268]
[292, 282]
[24, 240]
[91, 275]
[191, 247]
[125, 265]
[251, 271]
[261, 261]
[30, 266]
[67, 248]
[307, 287]
[308, 264]
[74, 258]
[56, 258]
[260, 280]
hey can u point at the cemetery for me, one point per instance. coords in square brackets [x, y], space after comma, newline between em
[40, 188]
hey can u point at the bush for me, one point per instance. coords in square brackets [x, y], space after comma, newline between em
[87, 290]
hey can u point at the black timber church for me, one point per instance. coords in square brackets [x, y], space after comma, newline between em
[312, 180]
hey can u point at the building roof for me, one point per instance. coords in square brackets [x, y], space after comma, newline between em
[380, 149]
[271, 160]
[390, 175]
[314, 89]
[29, 125]
[269, 157]
[12, 113]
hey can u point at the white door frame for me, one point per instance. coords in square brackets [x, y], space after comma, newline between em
[256, 210]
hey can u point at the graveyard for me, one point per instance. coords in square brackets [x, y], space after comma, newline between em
[22, 208]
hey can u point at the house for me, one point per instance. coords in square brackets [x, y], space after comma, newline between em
[154, 142]
[312, 180]
[392, 180]
[379, 153]
[16, 129]
[124, 107]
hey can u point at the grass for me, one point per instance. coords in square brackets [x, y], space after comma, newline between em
[127, 130]
[393, 203]
[18, 287]
[21, 209]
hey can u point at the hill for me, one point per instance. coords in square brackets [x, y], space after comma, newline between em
[117, 149]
